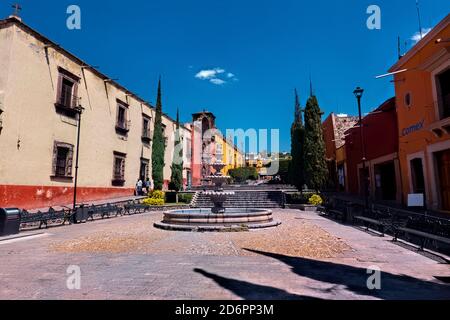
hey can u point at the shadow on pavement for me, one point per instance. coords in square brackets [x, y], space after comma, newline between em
[393, 287]
[251, 291]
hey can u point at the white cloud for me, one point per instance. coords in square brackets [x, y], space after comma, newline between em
[216, 75]
[217, 81]
[417, 37]
[209, 73]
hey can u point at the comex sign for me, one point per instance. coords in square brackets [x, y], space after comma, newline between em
[414, 128]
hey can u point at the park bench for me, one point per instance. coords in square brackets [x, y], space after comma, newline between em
[45, 218]
[338, 213]
[337, 209]
[103, 211]
[135, 208]
[424, 236]
[380, 217]
[380, 224]
[110, 210]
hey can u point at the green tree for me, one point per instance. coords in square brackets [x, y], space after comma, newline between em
[316, 171]
[176, 179]
[243, 174]
[296, 165]
[158, 146]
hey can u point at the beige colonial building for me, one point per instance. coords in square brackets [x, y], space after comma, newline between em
[42, 88]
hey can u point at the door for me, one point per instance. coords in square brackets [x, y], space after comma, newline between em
[385, 182]
[443, 160]
[143, 172]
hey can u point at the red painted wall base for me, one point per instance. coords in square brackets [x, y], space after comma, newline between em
[35, 197]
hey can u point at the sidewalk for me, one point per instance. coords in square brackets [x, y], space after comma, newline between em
[89, 203]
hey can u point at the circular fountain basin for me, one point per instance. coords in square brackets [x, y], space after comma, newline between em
[202, 220]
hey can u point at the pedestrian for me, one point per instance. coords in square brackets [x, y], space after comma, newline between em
[148, 186]
[139, 186]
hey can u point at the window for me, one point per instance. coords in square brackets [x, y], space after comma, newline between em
[166, 139]
[146, 132]
[443, 82]
[62, 160]
[408, 99]
[122, 123]
[188, 149]
[67, 98]
[1, 121]
[144, 172]
[119, 169]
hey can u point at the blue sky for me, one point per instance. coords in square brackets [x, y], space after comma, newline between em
[261, 49]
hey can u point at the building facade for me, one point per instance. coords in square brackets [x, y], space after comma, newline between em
[210, 145]
[422, 86]
[42, 89]
[334, 128]
[381, 151]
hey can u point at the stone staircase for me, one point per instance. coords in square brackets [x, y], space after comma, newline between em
[244, 199]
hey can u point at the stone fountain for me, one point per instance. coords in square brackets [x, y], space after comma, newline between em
[218, 196]
[218, 218]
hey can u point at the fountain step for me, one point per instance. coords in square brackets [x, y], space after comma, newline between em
[216, 228]
[204, 220]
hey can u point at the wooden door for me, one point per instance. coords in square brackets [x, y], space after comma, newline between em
[444, 177]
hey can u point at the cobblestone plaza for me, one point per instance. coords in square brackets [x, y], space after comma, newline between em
[307, 257]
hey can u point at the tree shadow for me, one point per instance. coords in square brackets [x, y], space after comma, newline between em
[393, 287]
[251, 291]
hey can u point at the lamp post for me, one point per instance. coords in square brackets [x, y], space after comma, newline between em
[79, 109]
[440, 40]
[358, 94]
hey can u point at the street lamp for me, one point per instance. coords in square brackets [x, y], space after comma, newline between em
[79, 109]
[358, 94]
[440, 40]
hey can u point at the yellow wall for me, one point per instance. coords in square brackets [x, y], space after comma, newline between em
[31, 125]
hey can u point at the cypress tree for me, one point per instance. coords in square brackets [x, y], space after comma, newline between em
[158, 146]
[316, 170]
[176, 179]
[296, 170]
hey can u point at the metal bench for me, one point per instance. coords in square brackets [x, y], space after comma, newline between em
[45, 218]
[424, 236]
[337, 209]
[135, 208]
[103, 211]
[337, 214]
[382, 225]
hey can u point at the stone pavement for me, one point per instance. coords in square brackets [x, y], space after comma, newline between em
[308, 257]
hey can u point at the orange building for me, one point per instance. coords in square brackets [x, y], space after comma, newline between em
[422, 85]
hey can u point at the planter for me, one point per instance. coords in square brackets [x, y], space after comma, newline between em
[303, 207]
[308, 207]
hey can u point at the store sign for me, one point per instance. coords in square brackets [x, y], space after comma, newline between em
[416, 200]
[414, 128]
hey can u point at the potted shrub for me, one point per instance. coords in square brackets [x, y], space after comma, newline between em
[314, 201]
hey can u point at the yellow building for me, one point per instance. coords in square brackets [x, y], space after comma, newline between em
[42, 87]
[231, 155]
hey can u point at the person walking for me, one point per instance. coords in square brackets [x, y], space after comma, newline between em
[139, 186]
[148, 186]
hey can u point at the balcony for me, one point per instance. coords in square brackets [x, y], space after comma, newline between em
[67, 104]
[147, 136]
[123, 127]
[440, 128]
